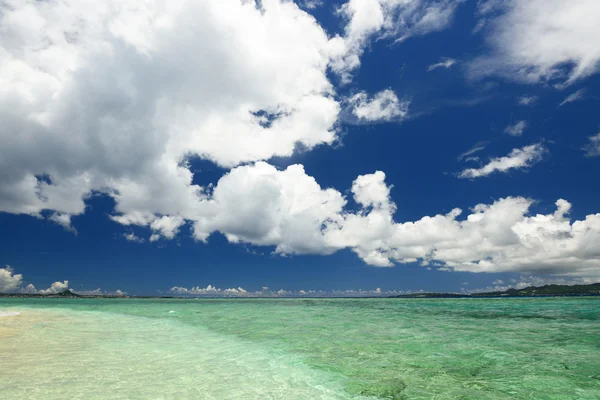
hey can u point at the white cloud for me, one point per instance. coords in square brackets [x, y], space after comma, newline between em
[291, 212]
[578, 95]
[119, 292]
[541, 40]
[527, 100]
[516, 129]
[166, 226]
[209, 290]
[56, 287]
[311, 4]
[114, 99]
[285, 209]
[383, 106]
[393, 19]
[29, 289]
[497, 238]
[9, 281]
[517, 159]
[476, 148]
[133, 238]
[64, 220]
[444, 63]
[592, 149]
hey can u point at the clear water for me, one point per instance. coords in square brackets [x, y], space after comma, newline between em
[300, 349]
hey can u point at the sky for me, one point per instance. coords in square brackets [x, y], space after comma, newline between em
[238, 147]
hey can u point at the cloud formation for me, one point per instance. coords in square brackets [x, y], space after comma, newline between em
[99, 99]
[444, 63]
[56, 287]
[527, 100]
[383, 106]
[397, 20]
[516, 129]
[13, 283]
[211, 291]
[133, 238]
[288, 210]
[541, 40]
[521, 158]
[118, 99]
[9, 281]
[592, 149]
[578, 95]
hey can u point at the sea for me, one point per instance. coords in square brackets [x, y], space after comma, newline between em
[507, 348]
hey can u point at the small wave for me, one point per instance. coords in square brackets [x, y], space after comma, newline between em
[9, 313]
[172, 311]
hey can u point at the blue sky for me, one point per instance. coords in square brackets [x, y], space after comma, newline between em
[237, 145]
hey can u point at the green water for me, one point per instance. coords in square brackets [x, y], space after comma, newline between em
[300, 349]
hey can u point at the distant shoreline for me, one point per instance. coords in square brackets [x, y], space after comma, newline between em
[591, 290]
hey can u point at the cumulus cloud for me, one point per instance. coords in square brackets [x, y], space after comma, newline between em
[592, 149]
[9, 281]
[288, 210]
[285, 209]
[383, 106]
[392, 19]
[133, 238]
[115, 99]
[166, 226]
[29, 289]
[516, 129]
[516, 159]
[209, 290]
[578, 95]
[56, 287]
[444, 63]
[541, 40]
[496, 238]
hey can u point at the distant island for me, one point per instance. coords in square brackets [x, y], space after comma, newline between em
[68, 293]
[531, 291]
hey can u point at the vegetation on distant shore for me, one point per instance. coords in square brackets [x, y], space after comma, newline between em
[64, 294]
[546, 290]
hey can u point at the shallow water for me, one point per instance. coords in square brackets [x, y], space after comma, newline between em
[301, 349]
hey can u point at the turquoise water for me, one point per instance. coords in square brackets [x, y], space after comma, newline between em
[300, 349]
